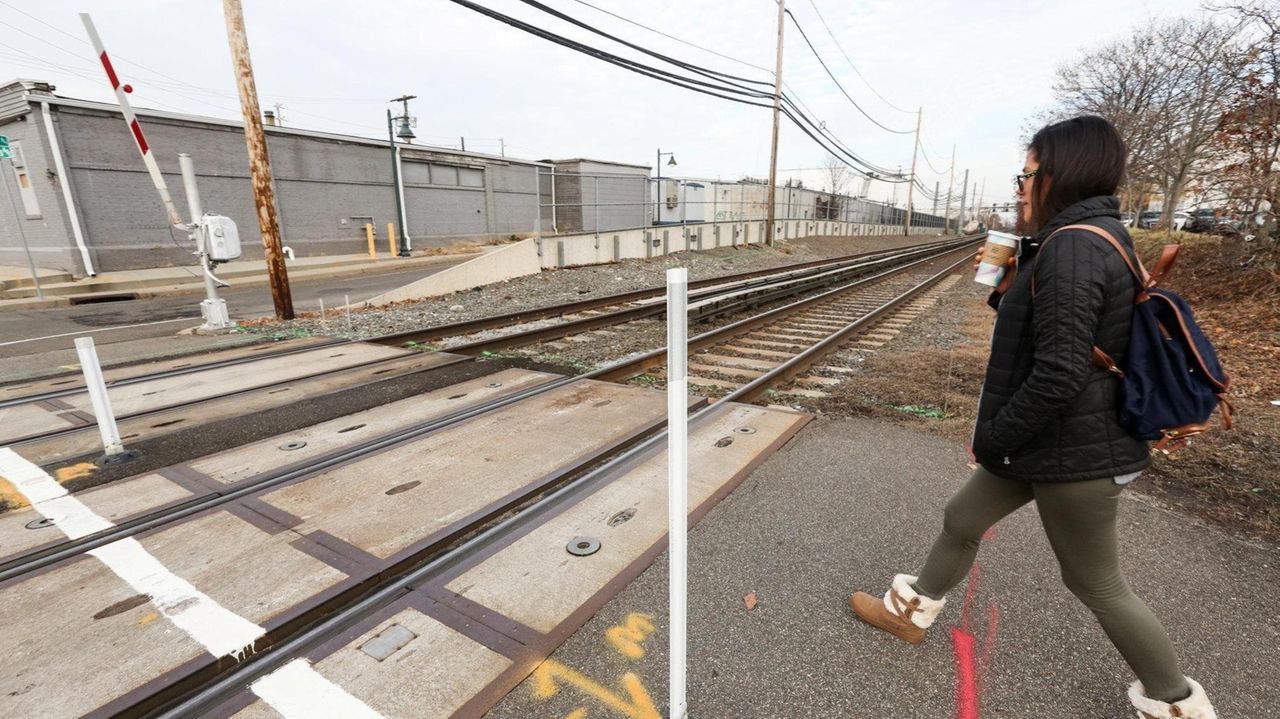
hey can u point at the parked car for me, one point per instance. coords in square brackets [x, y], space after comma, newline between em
[1203, 220]
[1149, 220]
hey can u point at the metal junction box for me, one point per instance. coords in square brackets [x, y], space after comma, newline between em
[221, 238]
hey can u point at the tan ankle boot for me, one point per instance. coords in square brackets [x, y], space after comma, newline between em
[1196, 706]
[902, 612]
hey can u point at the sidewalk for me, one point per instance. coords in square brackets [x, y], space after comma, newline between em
[846, 505]
[17, 291]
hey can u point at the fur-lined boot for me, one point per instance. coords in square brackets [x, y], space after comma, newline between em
[902, 612]
[1196, 706]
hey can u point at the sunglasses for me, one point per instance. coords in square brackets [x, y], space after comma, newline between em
[1021, 180]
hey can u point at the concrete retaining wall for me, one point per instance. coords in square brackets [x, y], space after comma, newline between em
[528, 257]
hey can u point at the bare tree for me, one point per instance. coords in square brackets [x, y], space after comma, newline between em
[836, 175]
[1249, 134]
[1166, 88]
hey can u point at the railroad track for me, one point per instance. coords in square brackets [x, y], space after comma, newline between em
[605, 308]
[59, 414]
[801, 333]
[769, 348]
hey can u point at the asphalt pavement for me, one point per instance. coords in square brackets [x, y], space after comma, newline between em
[39, 342]
[846, 505]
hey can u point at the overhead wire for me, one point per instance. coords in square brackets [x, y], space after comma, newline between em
[791, 94]
[832, 75]
[727, 88]
[851, 65]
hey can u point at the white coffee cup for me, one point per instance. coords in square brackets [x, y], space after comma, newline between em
[995, 260]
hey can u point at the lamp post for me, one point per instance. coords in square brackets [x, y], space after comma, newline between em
[405, 133]
[657, 195]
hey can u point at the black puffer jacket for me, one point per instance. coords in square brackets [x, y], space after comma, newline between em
[1047, 414]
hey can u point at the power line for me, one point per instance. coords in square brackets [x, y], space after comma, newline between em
[855, 67]
[837, 82]
[792, 98]
[673, 37]
[722, 89]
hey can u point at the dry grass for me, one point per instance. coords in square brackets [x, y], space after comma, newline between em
[1231, 478]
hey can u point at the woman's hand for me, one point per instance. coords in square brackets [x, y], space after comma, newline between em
[1010, 272]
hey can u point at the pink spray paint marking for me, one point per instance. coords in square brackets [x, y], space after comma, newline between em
[970, 668]
[966, 674]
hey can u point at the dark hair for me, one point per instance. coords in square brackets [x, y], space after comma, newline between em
[1079, 158]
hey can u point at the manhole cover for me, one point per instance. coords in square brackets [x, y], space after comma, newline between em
[295, 444]
[744, 430]
[583, 546]
[40, 523]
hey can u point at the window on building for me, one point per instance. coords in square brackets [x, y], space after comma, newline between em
[444, 175]
[417, 173]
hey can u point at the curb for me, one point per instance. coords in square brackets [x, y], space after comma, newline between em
[188, 288]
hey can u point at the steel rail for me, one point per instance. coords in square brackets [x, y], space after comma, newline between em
[477, 325]
[227, 685]
[40, 558]
[788, 286]
[628, 368]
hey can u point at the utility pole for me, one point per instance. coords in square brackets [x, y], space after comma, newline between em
[935, 198]
[259, 163]
[981, 196]
[279, 114]
[911, 189]
[951, 182]
[964, 194]
[502, 144]
[773, 147]
[406, 134]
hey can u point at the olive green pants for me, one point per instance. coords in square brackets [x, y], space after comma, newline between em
[1080, 520]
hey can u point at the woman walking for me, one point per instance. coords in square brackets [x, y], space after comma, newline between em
[1048, 429]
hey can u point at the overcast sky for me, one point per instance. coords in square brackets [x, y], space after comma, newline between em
[978, 68]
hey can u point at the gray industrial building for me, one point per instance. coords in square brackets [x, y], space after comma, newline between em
[600, 195]
[87, 205]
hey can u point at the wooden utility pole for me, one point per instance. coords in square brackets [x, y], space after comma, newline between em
[951, 182]
[259, 164]
[773, 147]
[911, 189]
[964, 194]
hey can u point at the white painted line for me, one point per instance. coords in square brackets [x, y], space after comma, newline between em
[298, 690]
[295, 690]
[100, 329]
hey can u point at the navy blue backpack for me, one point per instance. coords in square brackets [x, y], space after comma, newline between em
[1171, 380]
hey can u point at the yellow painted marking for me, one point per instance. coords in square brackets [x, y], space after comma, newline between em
[148, 618]
[10, 495]
[75, 471]
[577, 714]
[69, 366]
[635, 702]
[626, 637]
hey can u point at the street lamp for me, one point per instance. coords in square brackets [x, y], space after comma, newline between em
[657, 195]
[405, 133]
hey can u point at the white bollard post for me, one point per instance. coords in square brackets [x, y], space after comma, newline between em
[678, 480]
[111, 445]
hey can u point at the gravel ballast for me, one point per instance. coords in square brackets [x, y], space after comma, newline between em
[553, 287]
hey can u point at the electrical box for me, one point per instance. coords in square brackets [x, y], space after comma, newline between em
[221, 238]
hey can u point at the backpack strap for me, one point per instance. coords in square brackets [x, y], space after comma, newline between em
[1139, 272]
[1140, 275]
